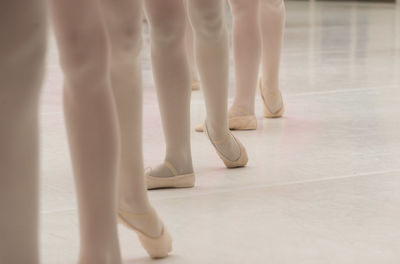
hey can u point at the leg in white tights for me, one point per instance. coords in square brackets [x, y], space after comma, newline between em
[124, 25]
[167, 22]
[22, 49]
[257, 25]
[211, 50]
[272, 27]
[247, 53]
[91, 125]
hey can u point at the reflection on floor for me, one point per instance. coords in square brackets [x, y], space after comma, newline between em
[322, 185]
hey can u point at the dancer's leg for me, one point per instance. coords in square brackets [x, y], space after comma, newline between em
[167, 20]
[124, 25]
[211, 49]
[247, 54]
[272, 27]
[91, 125]
[22, 46]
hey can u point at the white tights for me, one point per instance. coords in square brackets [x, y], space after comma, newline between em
[257, 30]
[172, 75]
[22, 50]
[103, 108]
[257, 33]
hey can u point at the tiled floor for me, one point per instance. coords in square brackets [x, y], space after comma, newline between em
[323, 183]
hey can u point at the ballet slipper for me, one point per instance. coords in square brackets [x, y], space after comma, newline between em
[195, 84]
[238, 122]
[241, 161]
[176, 181]
[241, 121]
[276, 95]
[156, 247]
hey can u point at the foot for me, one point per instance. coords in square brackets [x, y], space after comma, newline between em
[152, 233]
[170, 177]
[239, 119]
[229, 149]
[227, 146]
[167, 169]
[146, 222]
[273, 102]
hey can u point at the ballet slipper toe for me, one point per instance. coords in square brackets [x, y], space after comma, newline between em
[241, 161]
[175, 181]
[156, 247]
[273, 104]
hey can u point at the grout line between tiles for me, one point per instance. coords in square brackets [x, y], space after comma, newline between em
[282, 184]
[245, 188]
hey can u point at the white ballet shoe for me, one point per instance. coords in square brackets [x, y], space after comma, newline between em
[156, 247]
[237, 122]
[276, 98]
[241, 161]
[176, 181]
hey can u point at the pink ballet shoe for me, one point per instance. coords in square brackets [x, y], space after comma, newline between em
[241, 161]
[244, 121]
[275, 96]
[156, 247]
[176, 181]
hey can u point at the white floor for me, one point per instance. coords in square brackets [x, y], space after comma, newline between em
[322, 184]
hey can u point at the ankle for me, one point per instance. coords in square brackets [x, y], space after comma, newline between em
[134, 204]
[104, 255]
[181, 161]
[217, 132]
[270, 86]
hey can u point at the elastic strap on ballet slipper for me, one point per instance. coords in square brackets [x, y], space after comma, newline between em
[145, 216]
[216, 142]
[171, 168]
[221, 141]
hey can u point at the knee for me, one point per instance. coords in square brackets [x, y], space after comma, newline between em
[126, 43]
[208, 20]
[83, 54]
[167, 27]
